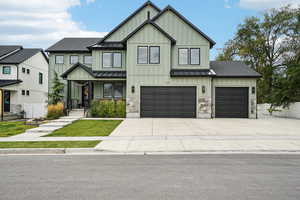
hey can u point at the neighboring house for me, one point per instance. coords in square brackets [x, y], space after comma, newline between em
[24, 80]
[159, 62]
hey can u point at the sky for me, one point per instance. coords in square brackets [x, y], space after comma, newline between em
[41, 23]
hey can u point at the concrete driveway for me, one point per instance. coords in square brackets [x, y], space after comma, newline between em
[208, 127]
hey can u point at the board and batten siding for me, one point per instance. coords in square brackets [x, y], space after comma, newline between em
[185, 37]
[237, 82]
[132, 24]
[157, 74]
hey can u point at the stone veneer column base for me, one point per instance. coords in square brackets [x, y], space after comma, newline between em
[204, 116]
[132, 115]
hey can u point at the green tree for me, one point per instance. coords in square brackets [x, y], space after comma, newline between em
[268, 45]
[57, 90]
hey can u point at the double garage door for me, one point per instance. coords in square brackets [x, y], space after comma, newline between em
[180, 102]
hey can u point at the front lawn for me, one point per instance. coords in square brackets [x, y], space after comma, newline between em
[13, 128]
[50, 144]
[87, 128]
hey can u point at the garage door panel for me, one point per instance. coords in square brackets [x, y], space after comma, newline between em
[232, 102]
[168, 101]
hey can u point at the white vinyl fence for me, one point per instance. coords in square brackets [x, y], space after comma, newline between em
[292, 112]
[35, 110]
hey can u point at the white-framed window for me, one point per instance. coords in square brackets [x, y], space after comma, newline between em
[88, 59]
[112, 59]
[59, 59]
[6, 70]
[74, 59]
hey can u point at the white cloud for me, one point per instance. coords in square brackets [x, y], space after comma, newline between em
[39, 23]
[227, 5]
[267, 4]
[90, 1]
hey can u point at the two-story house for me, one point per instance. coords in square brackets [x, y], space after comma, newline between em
[159, 62]
[23, 81]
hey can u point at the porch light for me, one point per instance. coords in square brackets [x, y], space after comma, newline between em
[203, 89]
[253, 90]
[132, 89]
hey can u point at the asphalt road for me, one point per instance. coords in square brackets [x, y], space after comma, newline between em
[227, 177]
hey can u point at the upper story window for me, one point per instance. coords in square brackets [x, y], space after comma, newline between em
[59, 59]
[189, 56]
[40, 78]
[28, 71]
[6, 70]
[195, 56]
[87, 60]
[142, 55]
[23, 70]
[74, 59]
[112, 60]
[154, 57]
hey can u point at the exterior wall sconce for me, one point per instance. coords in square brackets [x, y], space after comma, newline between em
[132, 89]
[203, 89]
[253, 90]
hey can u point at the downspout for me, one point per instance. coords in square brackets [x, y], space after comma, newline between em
[212, 97]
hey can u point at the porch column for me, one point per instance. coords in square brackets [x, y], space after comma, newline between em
[90, 93]
[69, 100]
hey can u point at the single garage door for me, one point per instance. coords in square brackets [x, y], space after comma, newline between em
[168, 102]
[232, 102]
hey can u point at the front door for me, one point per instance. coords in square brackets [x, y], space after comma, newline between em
[6, 99]
[85, 96]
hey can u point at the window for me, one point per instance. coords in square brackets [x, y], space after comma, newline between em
[112, 60]
[27, 92]
[40, 78]
[118, 90]
[195, 56]
[142, 55]
[28, 71]
[154, 55]
[113, 90]
[23, 92]
[87, 59]
[23, 70]
[74, 59]
[183, 56]
[6, 70]
[107, 90]
[59, 59]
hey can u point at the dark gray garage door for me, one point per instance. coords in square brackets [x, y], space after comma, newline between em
[168, 102]
[232, 102]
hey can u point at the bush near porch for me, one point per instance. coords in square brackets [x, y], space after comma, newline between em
[108, 108]
[55, 111]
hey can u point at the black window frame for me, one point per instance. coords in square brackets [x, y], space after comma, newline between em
[150, 54]
[113, 84]
[23, 70]
[6, 66]
[23, 92]
[27, 93]
[190, 56]
[86, 62]
[112, 60]
[188, 52]
[71, 59]
[41, 78]
[138, 55]
[62, 59]
[27, 71]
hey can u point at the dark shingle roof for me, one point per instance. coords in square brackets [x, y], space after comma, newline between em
[5, 49]
[109, 74]
[73, 44]
[4, 83]
[233, 69]
[20, 56]
[110, 46]
[191, 72]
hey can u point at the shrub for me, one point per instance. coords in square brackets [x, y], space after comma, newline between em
[55, 111]
[108, 108]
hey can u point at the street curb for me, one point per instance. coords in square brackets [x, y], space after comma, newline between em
[92, 151]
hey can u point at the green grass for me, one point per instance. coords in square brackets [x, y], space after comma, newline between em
[87, 128]
[51, 144]
[13, 128]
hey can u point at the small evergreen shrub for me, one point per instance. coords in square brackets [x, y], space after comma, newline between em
[108, 108]
[55, 111]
